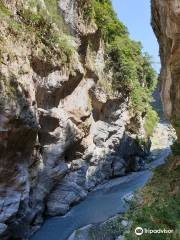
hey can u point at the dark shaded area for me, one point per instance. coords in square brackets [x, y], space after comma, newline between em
[48, 123]
[17, 142]
[41, 67]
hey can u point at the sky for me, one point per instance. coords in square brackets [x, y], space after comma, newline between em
[136, 16]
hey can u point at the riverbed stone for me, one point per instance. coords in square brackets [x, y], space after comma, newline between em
[107, 230]
[120, 238]
[119, 167]
[128, 197]
[124, 223]
[81, 234]
[3, 228]
[63, 196]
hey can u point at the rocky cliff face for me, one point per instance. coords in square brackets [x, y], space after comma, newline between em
[166, 24]
[60, 134]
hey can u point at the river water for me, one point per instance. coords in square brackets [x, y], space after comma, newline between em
[101, 204]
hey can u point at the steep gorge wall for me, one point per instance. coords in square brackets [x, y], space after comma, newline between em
[166, 25]
[60, 134]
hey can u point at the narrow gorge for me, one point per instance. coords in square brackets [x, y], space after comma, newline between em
[76, 122]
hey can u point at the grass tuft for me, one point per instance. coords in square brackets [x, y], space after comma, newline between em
[160, 208]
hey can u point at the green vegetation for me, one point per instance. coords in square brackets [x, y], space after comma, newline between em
[176, 148]
[43, 25]
[151, 120]
[87, 9]
[50, 36]
[107, 20]
[175, 121]
[4, 12]
[132, 71]
[55, 17]
[160, 208]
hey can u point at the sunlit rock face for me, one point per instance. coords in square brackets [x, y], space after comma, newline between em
[60, 134]
[166, 25]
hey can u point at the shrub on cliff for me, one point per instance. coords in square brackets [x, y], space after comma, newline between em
[107, 20]
[132, 69]
[151, 119]
[42, 26]
[132, 73]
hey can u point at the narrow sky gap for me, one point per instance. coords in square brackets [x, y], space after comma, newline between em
[136, 16]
